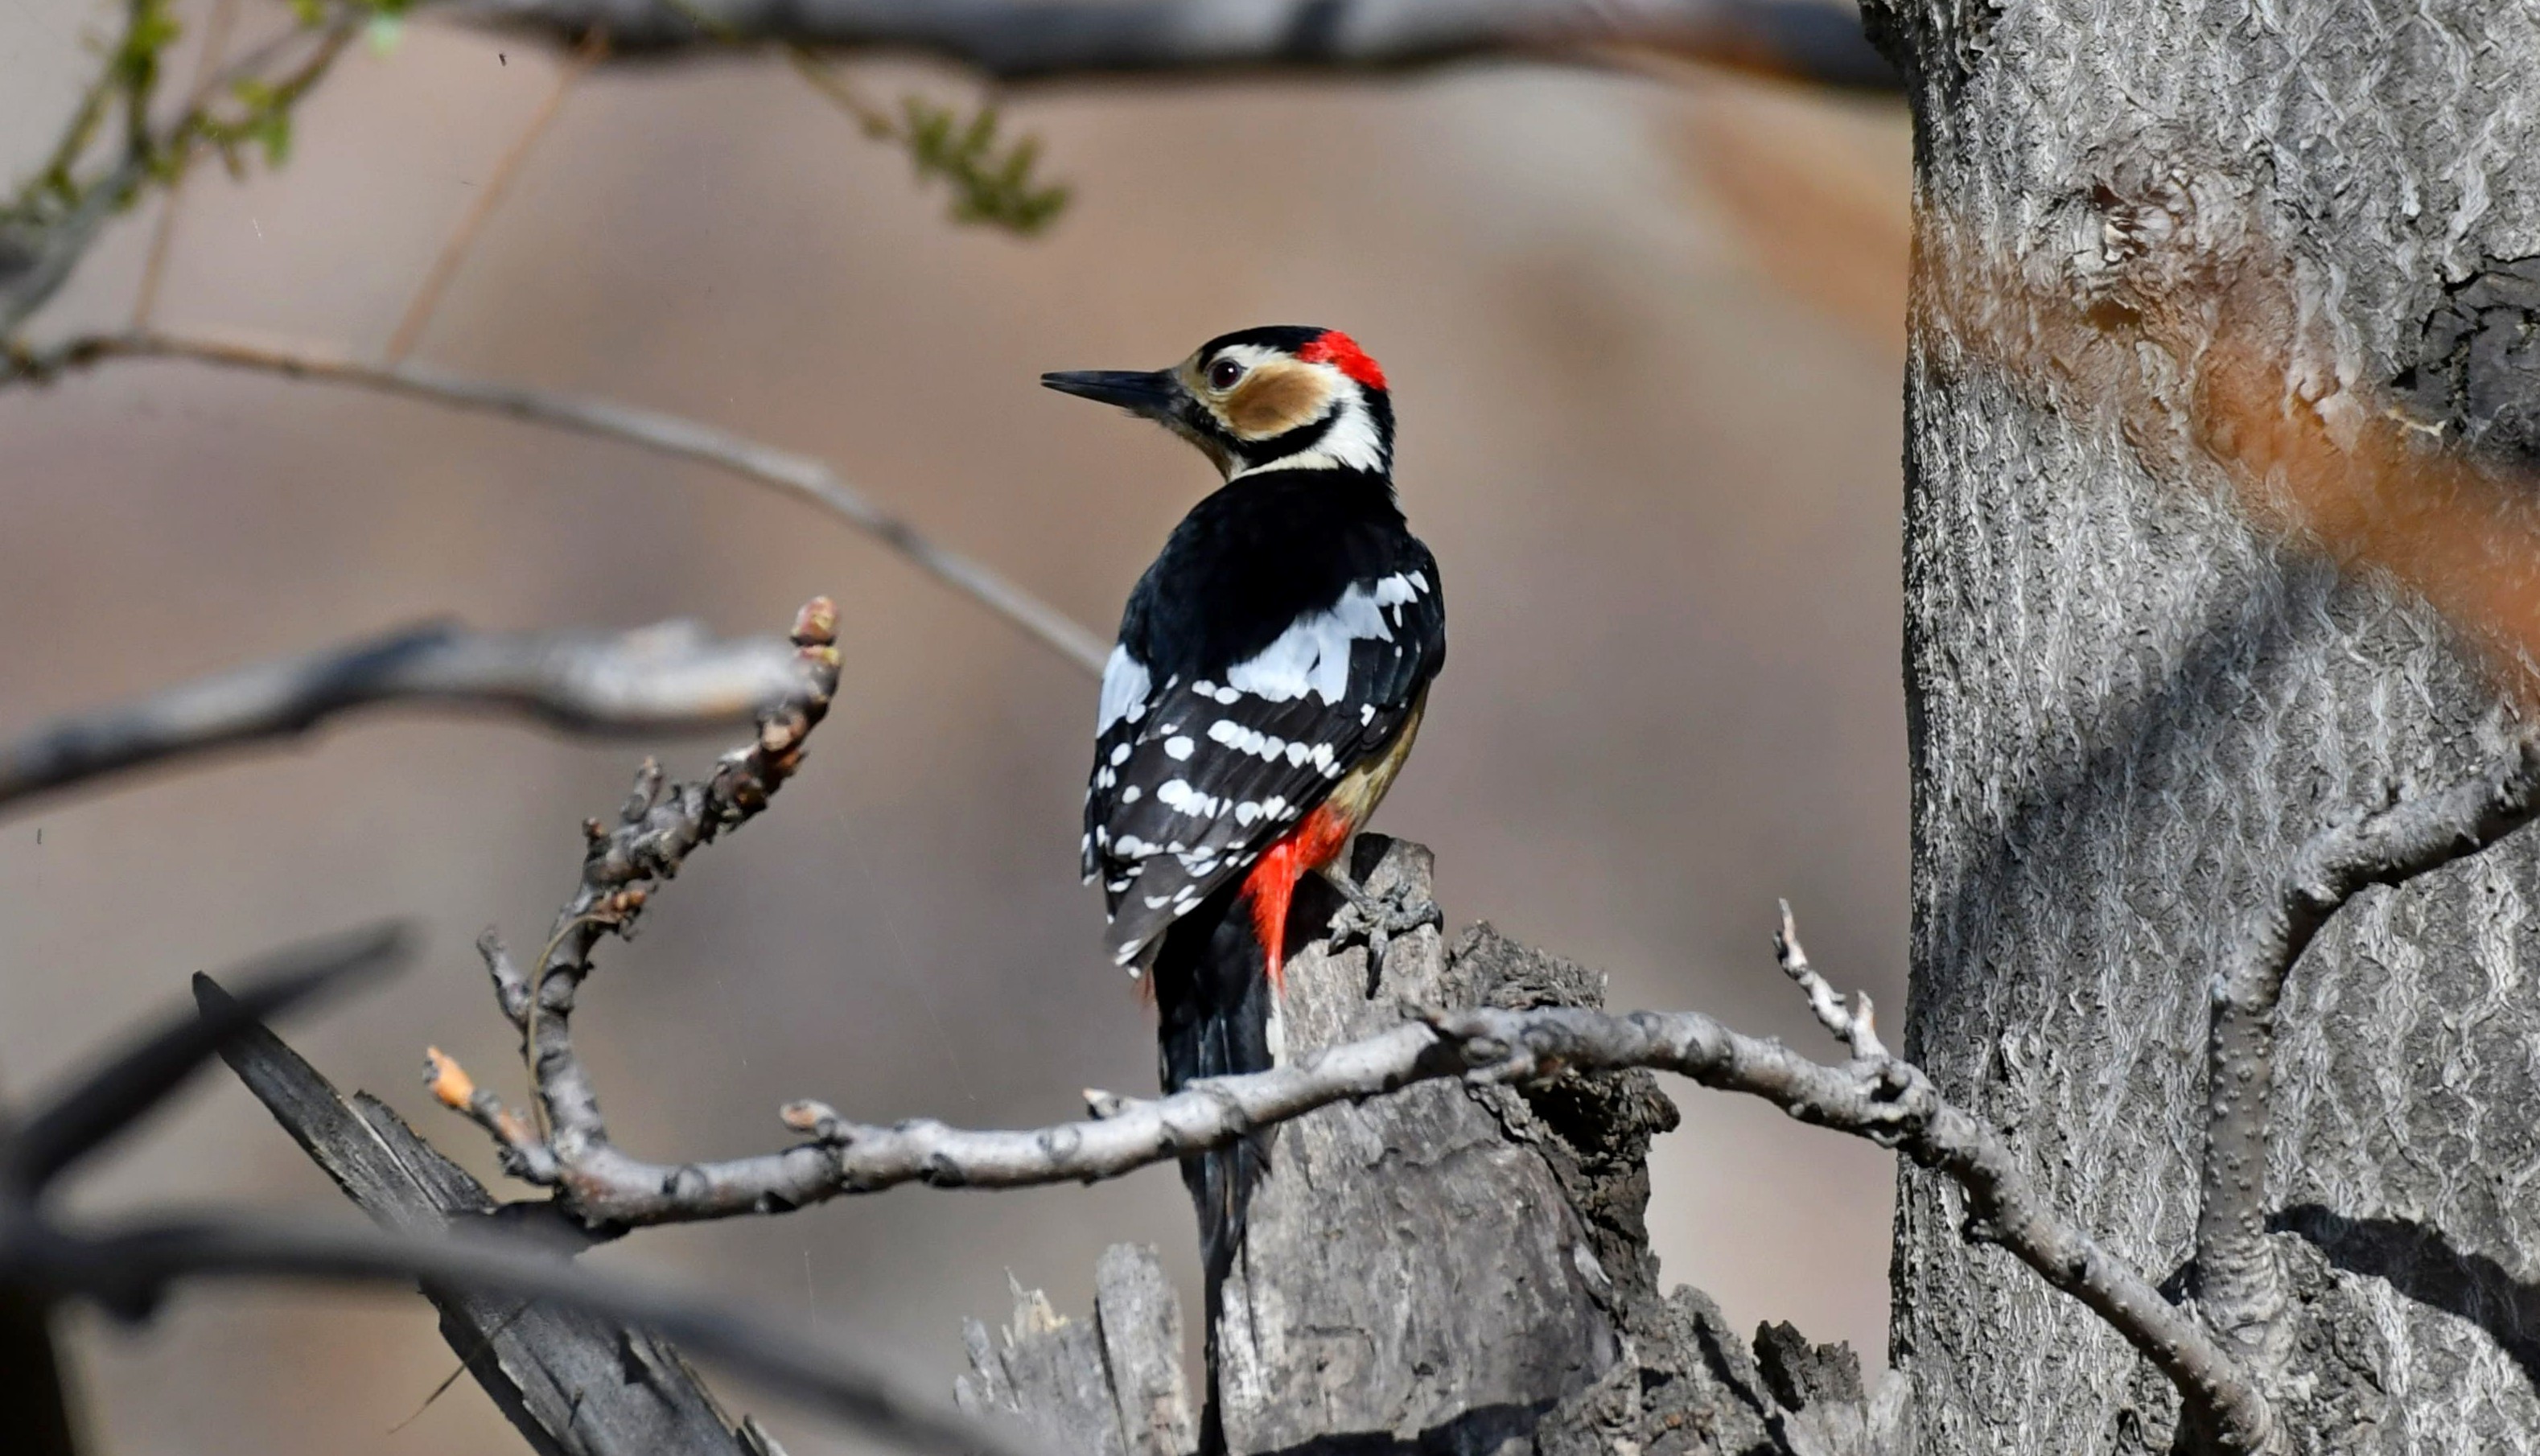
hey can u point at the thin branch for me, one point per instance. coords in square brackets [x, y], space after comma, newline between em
[46, 249]
[489, 195]
[1052, 40]
[163, 233]
[30, 283]
[664, 678]
[1855, 1025]
[567, 1379]
[658, 828]
[2240, 1287]
[1874, 1095]
[801, 476]
[128, 1270]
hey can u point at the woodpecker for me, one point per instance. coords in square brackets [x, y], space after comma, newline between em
[1269, 678]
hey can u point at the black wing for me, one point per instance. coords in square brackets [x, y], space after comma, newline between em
[1193, 779]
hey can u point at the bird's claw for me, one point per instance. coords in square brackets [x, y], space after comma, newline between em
[1364, 917]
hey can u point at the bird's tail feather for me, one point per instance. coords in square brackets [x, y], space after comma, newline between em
[1213, 1004]
[1213, 1007]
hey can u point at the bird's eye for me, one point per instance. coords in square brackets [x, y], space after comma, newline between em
[1224, 372]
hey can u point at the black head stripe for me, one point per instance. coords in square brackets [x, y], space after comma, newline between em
[1287, 338]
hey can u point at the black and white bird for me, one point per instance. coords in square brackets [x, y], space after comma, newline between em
[1269, 678]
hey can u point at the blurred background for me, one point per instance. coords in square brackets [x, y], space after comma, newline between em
[1643, 331]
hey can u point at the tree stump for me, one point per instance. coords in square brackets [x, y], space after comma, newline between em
[1448, 1270]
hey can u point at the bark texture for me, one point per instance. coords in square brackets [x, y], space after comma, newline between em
[2130, 703]
[572, 1383]
[1452, 1269]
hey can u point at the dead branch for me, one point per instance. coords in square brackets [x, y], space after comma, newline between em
[800, 476]
[1016, 41]
[127, 1268]
[654, 833]
[1874, 1095]
[661, 679]
[2240, 1287]
[571, 1382]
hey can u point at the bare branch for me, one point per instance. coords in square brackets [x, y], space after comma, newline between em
[1857, 1025]
[569, 1380]
[801, 476]
[657, 680]
[1053, 39]
[2240, 1287]
[1876, 1096]
[1887, 1101]
[654, 833]
[31, 274]
[128, 1269]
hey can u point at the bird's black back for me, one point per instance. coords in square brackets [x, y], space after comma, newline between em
[1254, 556]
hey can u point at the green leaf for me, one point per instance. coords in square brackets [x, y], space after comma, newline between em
[992, 184]
[274, 131]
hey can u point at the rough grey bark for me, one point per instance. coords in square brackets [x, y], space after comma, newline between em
[1111, 1386]
[1453, 1268]
[572, 1383]
[2130, 703]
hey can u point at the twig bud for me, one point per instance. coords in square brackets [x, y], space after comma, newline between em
[816, 624]
[449, 1082]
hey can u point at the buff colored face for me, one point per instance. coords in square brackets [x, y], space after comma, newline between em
[1286, 403]
[1257, 394]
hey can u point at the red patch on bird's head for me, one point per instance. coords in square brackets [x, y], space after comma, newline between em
[1342, 352]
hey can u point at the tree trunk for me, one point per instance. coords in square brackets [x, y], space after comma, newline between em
[2176, 265]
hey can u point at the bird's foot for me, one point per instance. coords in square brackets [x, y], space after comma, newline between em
[1374, 921]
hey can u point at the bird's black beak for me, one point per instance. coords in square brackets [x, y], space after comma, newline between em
[1154, 394]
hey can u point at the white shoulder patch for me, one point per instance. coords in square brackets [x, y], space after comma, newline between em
[1124, 687]
[1314, 654]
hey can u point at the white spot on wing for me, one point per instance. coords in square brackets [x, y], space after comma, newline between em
[1177, 748]
[1179, 795]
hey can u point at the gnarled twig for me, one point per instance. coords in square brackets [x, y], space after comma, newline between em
[2240, 1287]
